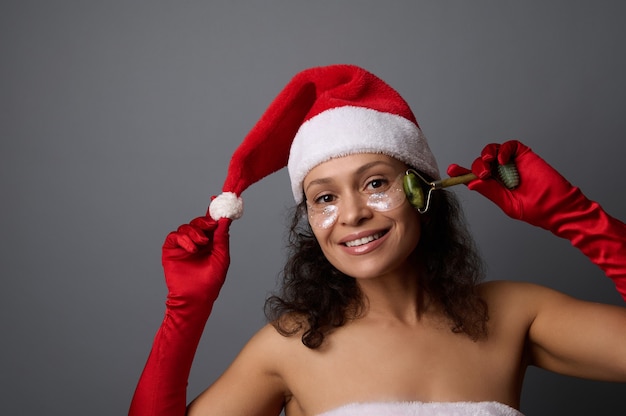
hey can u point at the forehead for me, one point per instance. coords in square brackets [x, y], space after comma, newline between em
[353, 164]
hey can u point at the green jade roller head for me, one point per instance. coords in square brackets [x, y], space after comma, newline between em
[414, 184]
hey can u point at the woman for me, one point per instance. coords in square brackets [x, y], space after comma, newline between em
[382, 311]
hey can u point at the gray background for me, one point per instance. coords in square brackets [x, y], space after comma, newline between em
[118, 118]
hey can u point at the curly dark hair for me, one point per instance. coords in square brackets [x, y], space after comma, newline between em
[316, 298]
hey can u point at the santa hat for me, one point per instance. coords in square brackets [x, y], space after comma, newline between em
[323, 113]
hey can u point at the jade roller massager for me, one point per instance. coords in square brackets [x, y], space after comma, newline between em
[415, 184]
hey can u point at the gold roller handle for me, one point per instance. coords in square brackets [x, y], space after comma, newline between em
[455, 180]
[507, 173]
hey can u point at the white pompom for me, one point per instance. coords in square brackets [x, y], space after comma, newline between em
[226, 205]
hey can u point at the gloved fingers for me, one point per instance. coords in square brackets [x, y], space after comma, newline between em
[490, 153]
[205, 223]
[187, 243]
[457, 170]
[510, 150]
[194, 234]
[177, 245]
[187, 237]
[483, 167]
[221, 236]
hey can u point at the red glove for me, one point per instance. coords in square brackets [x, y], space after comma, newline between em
[195, 261]
[546, 199]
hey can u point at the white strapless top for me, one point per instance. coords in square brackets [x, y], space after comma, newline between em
[424, 409]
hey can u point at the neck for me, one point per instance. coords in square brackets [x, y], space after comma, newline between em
[394, 298]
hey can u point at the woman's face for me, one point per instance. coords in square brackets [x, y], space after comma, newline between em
[360, 215]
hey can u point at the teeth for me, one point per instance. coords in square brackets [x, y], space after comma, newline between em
[364, 240]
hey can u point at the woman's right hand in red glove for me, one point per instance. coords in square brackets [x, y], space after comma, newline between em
[195, 260]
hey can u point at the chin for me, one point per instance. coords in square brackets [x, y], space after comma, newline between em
[374, 271]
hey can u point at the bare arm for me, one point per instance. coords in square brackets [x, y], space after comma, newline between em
[575, 337]
[251, 386]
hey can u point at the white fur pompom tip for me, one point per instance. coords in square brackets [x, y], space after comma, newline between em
[226, 205]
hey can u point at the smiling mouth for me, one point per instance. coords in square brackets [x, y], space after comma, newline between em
[364, 240]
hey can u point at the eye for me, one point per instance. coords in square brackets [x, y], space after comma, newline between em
[377, 185]
[324, 199]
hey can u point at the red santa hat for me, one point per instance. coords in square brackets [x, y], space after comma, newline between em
[324, 113]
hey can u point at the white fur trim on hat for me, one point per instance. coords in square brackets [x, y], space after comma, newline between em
[347, 130]
[226, 205]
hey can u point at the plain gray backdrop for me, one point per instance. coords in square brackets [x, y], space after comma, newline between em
[118, 119]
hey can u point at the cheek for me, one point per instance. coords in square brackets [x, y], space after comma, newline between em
[323, 238]
[321, 235]
[413, 230]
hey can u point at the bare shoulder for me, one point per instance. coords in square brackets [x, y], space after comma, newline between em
[513, 302]
[501, 292]
[269, 346]
[275, 352]
[254, 381]
[291, 327]
[502, 287]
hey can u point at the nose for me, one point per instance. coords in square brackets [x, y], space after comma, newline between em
[354, 209]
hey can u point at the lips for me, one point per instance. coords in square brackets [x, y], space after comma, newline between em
[363, 240]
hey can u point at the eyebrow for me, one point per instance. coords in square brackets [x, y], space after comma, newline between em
[367, 166]
[360, 170]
